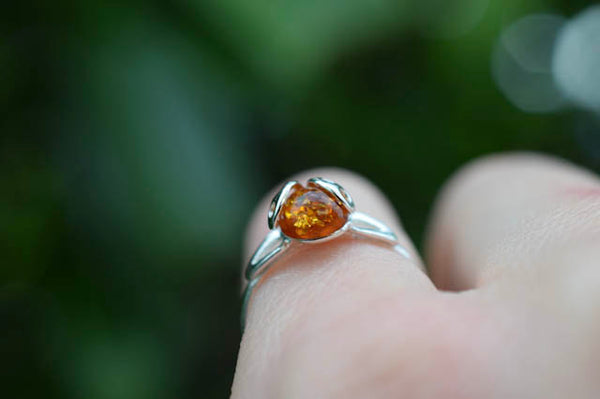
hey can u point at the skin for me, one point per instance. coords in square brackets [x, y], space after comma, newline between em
[510, 309]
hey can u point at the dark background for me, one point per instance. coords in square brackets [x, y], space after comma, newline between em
[136, 137]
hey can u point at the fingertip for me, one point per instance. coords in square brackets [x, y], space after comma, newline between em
[485, 201]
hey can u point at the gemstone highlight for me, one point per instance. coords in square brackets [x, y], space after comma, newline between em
[310, 214]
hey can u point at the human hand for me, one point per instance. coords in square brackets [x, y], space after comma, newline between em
[511, 308]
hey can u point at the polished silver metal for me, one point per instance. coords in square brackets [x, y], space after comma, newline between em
[274, 243]
[278, 202]
[332, 187]
[359, 225]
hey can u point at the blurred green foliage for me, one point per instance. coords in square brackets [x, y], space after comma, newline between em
[137, 137]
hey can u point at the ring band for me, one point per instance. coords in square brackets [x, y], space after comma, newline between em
[313, 214]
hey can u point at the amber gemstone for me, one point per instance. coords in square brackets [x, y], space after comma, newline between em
[310, 214]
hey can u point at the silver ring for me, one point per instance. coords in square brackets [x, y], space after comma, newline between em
[313, 214]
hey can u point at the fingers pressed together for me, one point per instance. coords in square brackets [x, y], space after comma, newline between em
[509, 309]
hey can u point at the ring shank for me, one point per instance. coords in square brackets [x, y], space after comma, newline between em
[275, 243]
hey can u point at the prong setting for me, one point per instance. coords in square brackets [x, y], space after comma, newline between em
[333, 235]
[278, 201]
[334, 189]
[322, 195]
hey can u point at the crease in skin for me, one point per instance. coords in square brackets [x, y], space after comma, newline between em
[552, 229]
[494, 186]
[307, 280]
[401, 341]
[528, 340]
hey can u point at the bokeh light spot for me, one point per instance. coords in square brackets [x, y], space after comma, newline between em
[576, 63]
[522, 63]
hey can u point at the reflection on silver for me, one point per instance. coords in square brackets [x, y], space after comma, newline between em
[359, 225]
[338, 191]
[273, 244]
[576, 62]
[278, 202]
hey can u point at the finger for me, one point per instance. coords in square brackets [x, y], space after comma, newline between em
[334, 280]
[505, 215]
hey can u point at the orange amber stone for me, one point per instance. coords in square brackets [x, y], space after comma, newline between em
[310, 213]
